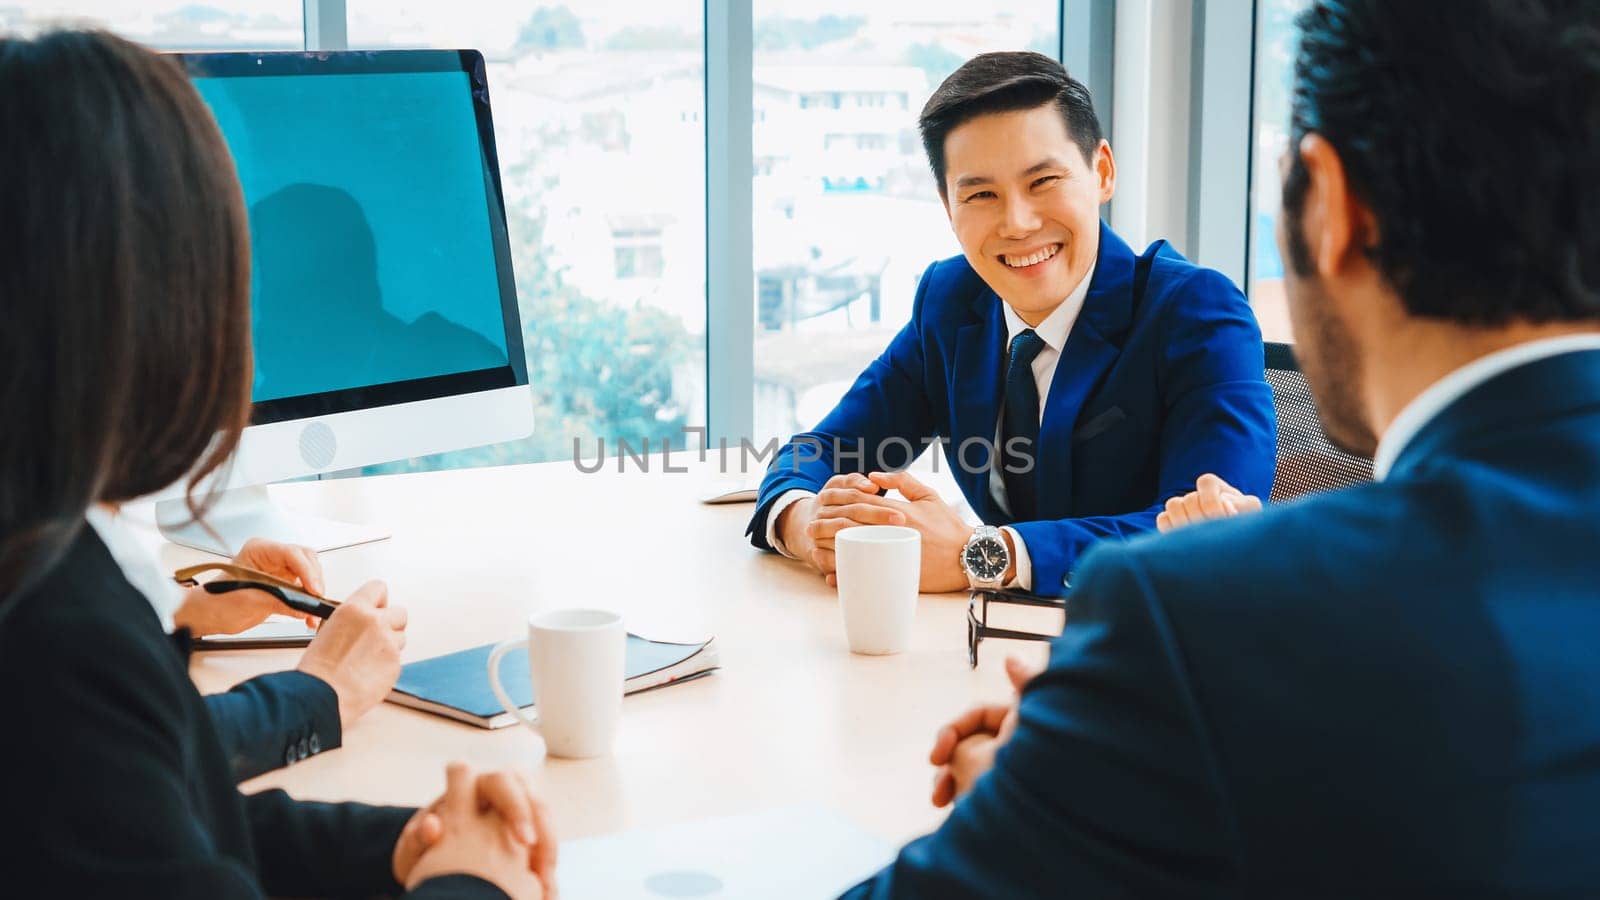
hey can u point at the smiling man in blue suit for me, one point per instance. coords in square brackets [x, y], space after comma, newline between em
[1074, 386]
[1391, 690]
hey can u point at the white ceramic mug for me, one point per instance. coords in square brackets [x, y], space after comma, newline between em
[576, 658]
[879, 567]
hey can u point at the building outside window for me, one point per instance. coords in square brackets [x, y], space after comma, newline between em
[599, 119]
[637, 245]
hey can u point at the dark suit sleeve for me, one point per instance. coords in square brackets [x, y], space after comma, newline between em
[341, 849]
[1108, 789]
[456, 887]
[106, 775]
[273, 720]
[883, 422]
[1218, 418]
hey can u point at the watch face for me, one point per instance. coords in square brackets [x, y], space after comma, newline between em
[985, 559]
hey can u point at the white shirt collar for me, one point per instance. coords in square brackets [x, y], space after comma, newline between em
[1055, 327]
[1422, 409]
[137, 565]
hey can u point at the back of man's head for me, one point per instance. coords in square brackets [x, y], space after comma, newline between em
[1471, 129]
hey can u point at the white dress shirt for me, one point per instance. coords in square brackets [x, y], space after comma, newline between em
[136, 563]
[1053, 331]
[1447, 390]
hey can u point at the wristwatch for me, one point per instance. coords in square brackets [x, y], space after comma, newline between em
[985, 558]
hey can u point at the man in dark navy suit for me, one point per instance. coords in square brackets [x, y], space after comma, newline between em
[1074, 385]
[1391, 690]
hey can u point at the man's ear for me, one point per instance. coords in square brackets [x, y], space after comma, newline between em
[1105, 167]
[1338, 226]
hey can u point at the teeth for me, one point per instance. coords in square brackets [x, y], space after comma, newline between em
[1032, 259]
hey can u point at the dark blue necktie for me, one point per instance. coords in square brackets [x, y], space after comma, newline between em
[1021, 425]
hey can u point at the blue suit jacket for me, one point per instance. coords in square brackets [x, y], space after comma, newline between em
[1161, 380]
[1388, 691]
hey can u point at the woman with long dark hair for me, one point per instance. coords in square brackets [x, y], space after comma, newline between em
[124, 367]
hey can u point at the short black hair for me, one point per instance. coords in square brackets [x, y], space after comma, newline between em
[124, 289]
[1006, 82]
[1473, 134]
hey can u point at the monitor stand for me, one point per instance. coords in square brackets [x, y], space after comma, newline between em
[240, 514]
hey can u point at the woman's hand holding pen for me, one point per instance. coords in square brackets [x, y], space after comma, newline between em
[357, 650]
[235, 611]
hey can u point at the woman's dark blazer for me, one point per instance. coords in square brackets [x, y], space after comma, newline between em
[116, 783]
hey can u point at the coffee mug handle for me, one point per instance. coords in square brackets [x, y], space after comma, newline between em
[500, 692]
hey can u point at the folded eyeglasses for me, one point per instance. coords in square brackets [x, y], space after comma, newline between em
[231, 577]
[978, 626]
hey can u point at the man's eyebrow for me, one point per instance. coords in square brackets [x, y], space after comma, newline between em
[966, 181]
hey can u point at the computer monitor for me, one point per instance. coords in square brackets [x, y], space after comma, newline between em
[384, 307]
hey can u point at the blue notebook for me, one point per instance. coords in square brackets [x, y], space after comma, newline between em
[457, 684]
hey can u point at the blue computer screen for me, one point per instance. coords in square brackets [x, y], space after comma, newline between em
[372, 256]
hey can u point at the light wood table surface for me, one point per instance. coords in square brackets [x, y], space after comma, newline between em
[793, 717]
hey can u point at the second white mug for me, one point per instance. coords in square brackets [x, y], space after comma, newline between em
[576, 659]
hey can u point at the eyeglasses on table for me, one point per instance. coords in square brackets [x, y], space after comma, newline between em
[978, 626]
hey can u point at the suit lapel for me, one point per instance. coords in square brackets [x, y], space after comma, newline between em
[976, 390]
[1092, 348]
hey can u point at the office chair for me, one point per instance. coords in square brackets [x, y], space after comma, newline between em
[1307, 462]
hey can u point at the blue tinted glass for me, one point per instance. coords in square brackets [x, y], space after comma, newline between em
[373, 261]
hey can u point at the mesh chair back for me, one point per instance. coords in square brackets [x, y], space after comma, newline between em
[1307, 461]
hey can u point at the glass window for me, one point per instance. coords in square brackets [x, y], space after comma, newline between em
[598, 110]
[846, 214]
[169, 24]
[1275, 39]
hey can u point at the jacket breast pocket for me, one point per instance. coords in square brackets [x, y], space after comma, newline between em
[1099, 425]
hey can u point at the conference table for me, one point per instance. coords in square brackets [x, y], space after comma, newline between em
[791, 718]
